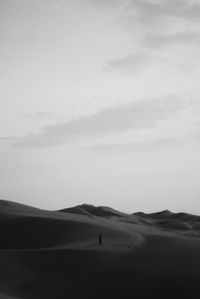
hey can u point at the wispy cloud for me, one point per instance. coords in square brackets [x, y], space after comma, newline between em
[134, 62]
[159, 41]
[155, 26]
[7, 138]
[150, 9]
[153, 11]
[155, 144]
[134, 116]
[41, 115]
[148, 59]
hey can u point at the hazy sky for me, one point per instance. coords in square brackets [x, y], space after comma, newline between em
[100, 103]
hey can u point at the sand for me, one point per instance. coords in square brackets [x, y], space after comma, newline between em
[55, 254]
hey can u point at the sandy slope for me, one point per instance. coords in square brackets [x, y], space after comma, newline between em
[45, 254]
[3, 296]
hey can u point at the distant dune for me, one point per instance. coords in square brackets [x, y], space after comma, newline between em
[92, 210]
[56, 254]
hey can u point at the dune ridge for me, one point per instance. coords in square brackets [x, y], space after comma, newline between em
[53, 254]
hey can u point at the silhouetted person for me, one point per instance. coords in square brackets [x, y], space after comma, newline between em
[100, 239]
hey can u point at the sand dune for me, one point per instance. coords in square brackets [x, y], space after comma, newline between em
[86, 209]
[55, 254]
[22, 227]
[173, 221]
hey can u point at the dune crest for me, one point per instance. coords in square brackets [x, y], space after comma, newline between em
[86, 250]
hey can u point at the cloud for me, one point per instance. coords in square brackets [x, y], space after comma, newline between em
[154, 26]
[154, 10]
[158, 40]
[140, 115]
[7, 138]
[134, 62]
[40, 115]
[155, 144]
[142, 60]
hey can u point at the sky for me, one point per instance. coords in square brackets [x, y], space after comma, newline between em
[100, 103]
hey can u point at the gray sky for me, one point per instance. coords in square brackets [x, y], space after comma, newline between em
[100, 103]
